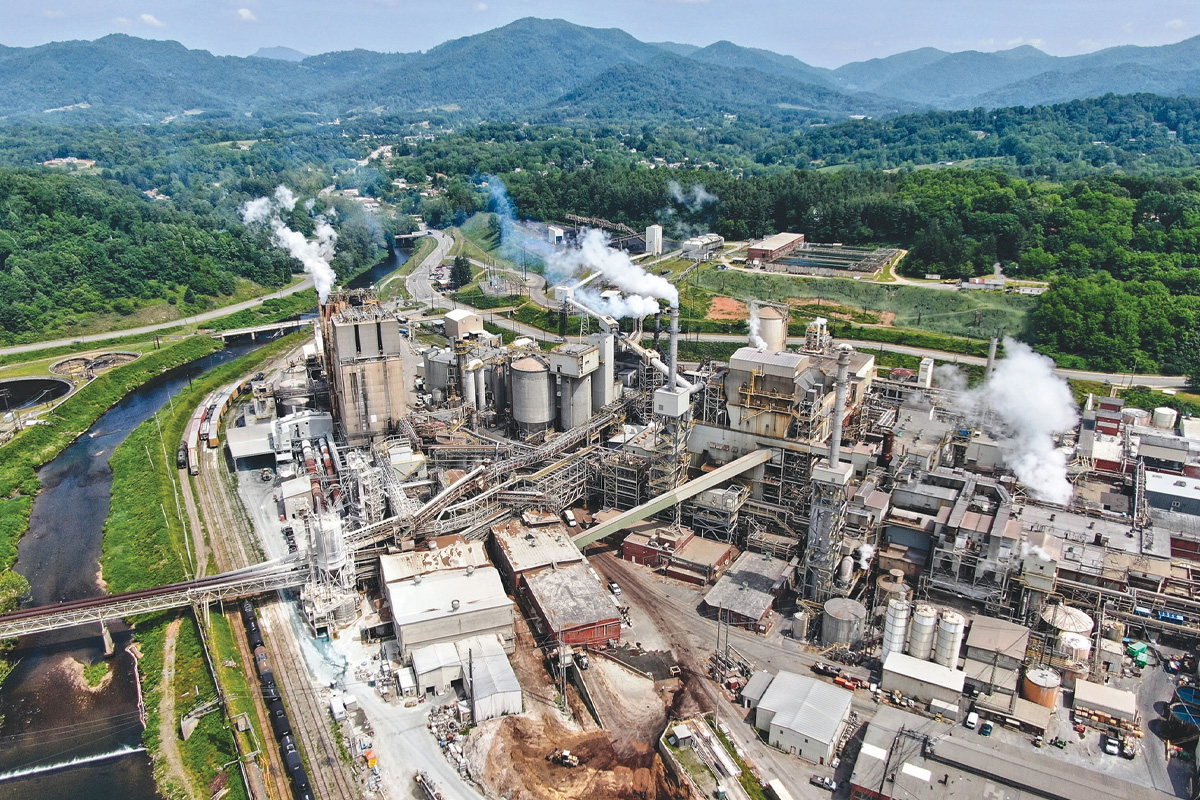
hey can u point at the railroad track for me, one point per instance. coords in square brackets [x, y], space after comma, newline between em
[233, 544]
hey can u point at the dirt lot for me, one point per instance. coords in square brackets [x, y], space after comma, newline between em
[508, 755]
[726, 309]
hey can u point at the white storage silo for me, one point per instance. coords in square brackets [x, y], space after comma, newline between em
[951, 629]
[575, 401]
[1164, 418]
[1074, 646]
[772, 327]
[1136, 416]
[895, 627]
[481, 387]
[532, 400]
[922, 632]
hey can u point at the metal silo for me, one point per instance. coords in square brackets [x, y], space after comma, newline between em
[575, 400]
[532, 400]
[895, 627]
[922, 632]
[951, 630]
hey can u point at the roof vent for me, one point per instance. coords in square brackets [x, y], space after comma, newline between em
[470, 569]
[454, 604]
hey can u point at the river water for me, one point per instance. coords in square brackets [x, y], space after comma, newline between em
[58, 739]
[50, 722]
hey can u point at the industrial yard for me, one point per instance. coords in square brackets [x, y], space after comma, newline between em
[592, 570]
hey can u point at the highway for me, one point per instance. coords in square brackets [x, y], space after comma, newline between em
[225, 311]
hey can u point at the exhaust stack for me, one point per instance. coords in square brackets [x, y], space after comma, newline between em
[839, 403]
[673, 360]
[991, 359]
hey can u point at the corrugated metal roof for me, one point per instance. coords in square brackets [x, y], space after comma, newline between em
[808, 706]
[924, 671]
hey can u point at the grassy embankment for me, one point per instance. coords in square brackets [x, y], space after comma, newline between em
[143, 546]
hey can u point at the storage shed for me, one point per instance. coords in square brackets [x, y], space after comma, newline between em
[923, 680]
[803, 716]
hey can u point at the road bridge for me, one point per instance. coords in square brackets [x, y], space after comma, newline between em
[266, 577]
[272, 327]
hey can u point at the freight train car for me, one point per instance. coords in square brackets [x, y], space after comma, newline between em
[281, 725]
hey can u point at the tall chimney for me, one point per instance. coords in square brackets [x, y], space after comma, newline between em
[839, 403]
[991, 362]
[673, 363]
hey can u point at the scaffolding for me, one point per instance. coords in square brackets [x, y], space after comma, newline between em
[823, 549]
[369, 501]
[787, 483]
[712, 401]
[669, 459]
[714, 514]
[622, 480]
[649, 379]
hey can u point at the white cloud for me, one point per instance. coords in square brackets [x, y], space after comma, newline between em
[52, 13]
[481, 7]
[247, 15]
[1175, 25]
[152, 21]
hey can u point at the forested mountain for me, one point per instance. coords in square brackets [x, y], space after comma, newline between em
[536, 69]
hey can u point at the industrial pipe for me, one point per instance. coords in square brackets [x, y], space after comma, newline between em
[991, 359]
[839, 403]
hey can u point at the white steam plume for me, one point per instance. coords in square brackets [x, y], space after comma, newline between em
[614, 266]
[634, 305]
[756, 339]
[1030, 404]
[865, 554]
[693, 198]
[314, 254]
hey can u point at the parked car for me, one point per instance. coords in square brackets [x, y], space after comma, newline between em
[615, 588]
[824, 782]
[1110, 744]
[829, 670]
[985, 729]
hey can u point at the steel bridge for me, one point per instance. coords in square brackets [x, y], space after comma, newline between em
[265, 577]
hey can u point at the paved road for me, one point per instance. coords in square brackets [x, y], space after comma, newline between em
[419, 287]
[162, 326]
[418, 283]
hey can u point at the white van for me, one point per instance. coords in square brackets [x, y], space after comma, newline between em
[569, 516]
[972, 721]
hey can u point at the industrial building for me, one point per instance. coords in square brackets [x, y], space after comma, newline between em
[573, 607]
[923, 680]
[803, 716]
[745, 595]
[654, 240]
[704, 247]
[774, 247]
[447, 606]
[366, 375]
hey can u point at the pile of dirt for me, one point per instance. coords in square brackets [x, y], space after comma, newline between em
[515, 764]
[727, 309]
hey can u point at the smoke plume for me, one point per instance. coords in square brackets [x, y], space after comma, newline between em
[635, 306]
[1027, 405]
[314, 255]
[756, 339]
[615, 266]
[693, 198]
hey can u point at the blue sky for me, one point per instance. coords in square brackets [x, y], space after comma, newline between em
[816, 31]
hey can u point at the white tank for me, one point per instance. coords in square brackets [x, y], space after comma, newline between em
[949, 639]
[330, 542]
[922, 632]
[468, 386]
[1074, 646]
[772, 327]
[575, 401]
[480, 388]
[532, 401]
[1164, 418]
[1136, 416]
[895, 627]
[845, 570]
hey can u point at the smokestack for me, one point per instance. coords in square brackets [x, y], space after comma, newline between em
[839, 403]
[991, 362]
[673, 361]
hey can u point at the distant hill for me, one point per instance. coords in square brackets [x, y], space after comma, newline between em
[550, 69]
[279, 54]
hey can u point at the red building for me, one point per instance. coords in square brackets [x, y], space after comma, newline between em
[774, 247]
[573, 606]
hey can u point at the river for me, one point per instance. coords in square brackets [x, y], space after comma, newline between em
[59, 740]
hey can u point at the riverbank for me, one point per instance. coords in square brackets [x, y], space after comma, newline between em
[146, 544]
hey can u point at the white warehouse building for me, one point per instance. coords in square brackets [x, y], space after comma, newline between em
[803, 716]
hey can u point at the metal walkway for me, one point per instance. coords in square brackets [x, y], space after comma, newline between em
[254, 580]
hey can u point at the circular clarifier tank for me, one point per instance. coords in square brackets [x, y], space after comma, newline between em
[21, 393]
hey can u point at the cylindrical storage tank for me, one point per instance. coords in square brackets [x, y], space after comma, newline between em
[1074, 646]
[1041, 686]
[800, 626]
[922, 632]
[1183, 722]
[331, 544]
[481, 388]
[842, 621]
[772, 327]
[1074, 672]
[532, 400]
[890, 587]
[468, 386]
[1114, 630]
[437, 369]
[1164, 418]
[575, 401]
[895, 627]
[1188, 695]
[845, 571]
[948, 645]
[1066, 619]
